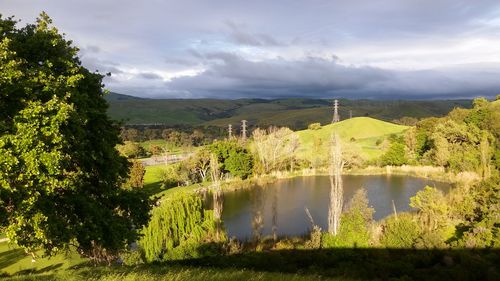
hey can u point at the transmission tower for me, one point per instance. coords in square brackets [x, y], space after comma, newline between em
[230, 130]
[244, 129]
[336, 117]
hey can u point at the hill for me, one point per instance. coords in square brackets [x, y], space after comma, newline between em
[360, 135]
[295, 113]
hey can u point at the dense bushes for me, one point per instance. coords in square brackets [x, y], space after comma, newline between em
[464, 140]
[399, 231]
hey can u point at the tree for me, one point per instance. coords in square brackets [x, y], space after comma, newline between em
[274, 147]
[131, 150]
[355, 228]
[60, 174]
[396, 155]
[136, 175]
[233, 158]
[431, 206]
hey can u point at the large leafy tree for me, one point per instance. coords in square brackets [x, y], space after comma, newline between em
[60, 174]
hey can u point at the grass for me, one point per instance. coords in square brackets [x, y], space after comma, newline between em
[298, 265]
[153, 184]
[359, 133]
[15, 261]
[170, 273]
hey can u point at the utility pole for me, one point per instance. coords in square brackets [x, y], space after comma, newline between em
[244, 129]
[350, 114]
[230, 130]
[336, 117]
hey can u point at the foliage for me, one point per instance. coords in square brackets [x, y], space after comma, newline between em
[482, 227]
[131, 150]
[177, 229]
[405, 120]
[275, 148]
[355, 224]
[395, 155]
[431, 205]
[60, 174]
[233, 158]
[399, 231]
[132, 257]
[314, 126]
[136, 175]
[175, 175]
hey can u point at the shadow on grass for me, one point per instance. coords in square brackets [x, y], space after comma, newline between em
[41, 270]
[360, 264]
[153, 188]
[11, 257]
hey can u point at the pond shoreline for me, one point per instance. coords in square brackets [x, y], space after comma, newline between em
[424, 172]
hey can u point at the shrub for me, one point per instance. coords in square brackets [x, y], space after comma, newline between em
[132, 257]
[399, 232]
[314, 126]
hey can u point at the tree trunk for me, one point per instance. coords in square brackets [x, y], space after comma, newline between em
[336, 186]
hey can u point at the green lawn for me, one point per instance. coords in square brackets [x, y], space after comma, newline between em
[153, 185]
[14, 260]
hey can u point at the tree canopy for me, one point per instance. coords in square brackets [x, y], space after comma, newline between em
[60, 174]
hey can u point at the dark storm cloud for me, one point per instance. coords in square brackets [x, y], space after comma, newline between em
[318, 77]
[261, 48]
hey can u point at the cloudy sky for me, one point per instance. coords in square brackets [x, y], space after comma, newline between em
[269, 49]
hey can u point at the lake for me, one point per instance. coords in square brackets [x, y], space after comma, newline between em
[281, 204]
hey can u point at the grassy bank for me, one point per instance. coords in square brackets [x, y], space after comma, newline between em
[297, 265]
[169, 273]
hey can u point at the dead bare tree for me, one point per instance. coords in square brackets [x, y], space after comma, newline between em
[218, 196]
[336, 188]
[275, 147]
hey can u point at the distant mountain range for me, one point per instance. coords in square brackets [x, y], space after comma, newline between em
[295, 113]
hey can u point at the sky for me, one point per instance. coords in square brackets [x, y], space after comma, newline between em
[380, 49]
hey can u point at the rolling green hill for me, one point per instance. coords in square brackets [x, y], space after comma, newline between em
[295, 113]
[358, 135]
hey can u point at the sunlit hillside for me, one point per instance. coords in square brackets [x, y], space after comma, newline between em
[359, 132]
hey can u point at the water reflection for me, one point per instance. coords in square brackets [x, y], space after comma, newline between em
[254, 212]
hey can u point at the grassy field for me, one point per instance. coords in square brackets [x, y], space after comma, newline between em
[359, 133]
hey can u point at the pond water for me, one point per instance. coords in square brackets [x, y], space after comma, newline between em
[280, 205]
